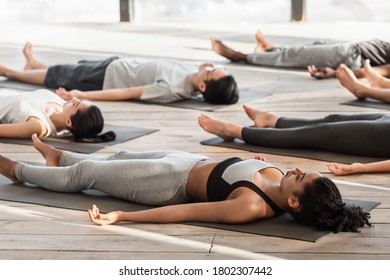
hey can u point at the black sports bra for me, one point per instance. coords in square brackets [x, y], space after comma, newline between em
[232, 173]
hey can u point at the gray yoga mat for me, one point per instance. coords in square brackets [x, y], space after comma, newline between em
[302, 153]
[123, 134]
[283, 226]
[368, 103]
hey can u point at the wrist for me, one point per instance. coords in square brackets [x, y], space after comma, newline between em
[120, 216]
[77, 94]
[360, 168]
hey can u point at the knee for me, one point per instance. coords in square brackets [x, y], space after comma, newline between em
[79, 175]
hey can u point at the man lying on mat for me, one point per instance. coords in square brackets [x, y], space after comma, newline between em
[229, 190]
[24, 113]
[129, 78]
[359, 134]
[320, 59]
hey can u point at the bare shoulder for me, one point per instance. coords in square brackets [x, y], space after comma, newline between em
[252, 203]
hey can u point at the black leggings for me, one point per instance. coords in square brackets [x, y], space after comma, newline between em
[361, 134]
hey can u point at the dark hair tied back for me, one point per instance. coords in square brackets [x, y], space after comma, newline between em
[105, 137]
[87, 124]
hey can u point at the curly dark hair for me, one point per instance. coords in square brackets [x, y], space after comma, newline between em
[221, 91]
[321, 206]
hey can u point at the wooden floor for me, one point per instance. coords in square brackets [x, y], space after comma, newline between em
[36, 232]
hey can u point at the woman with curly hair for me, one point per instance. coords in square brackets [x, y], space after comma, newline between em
[191, 187]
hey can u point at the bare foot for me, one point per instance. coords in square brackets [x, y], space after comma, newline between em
[227, 52]
[260, 118]
[7, 168]
[51, 155]
[348, 80]
[3, 70]
[31, 62]
[373, 77]
[226, 131]
[262, 44]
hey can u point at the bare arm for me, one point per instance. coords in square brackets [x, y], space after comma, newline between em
[379, 166]
[103, 95]
[221, 212]
[23, 130]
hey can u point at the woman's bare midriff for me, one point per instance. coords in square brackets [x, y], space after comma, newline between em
[197, 180]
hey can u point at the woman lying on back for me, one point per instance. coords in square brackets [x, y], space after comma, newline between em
[191, 187]
[46, 114]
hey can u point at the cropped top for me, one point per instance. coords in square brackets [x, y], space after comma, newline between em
[233, 173]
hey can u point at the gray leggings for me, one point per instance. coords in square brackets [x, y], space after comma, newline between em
[320, 55]
[150, 178]
[360, 134]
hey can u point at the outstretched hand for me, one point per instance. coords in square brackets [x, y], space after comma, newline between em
[102, 219]
[343, 169]
[65, 94]
[322, 72]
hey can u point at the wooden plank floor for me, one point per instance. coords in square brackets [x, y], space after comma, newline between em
[36, 232]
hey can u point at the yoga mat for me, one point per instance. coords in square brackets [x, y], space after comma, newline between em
[197, 103]
[123, 134]
[368, 103]
[10, 84]
[302, 153]
[283, 226]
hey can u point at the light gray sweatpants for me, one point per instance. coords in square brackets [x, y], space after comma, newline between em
[320, 55]
[150, 178]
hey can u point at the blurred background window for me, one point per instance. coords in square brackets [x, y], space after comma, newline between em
[204, 11]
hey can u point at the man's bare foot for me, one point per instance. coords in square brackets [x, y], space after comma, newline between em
[262, 44]
[260, 118]
[227, 52]
[31, 62]
[51, 155]
[7, 168]
[348, 80]
[226, 131]
[373, 77]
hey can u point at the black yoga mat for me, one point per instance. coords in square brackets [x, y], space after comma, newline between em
[197, 103]
[123, 134]
[302, 153]
[368, 103]
[283, 226]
